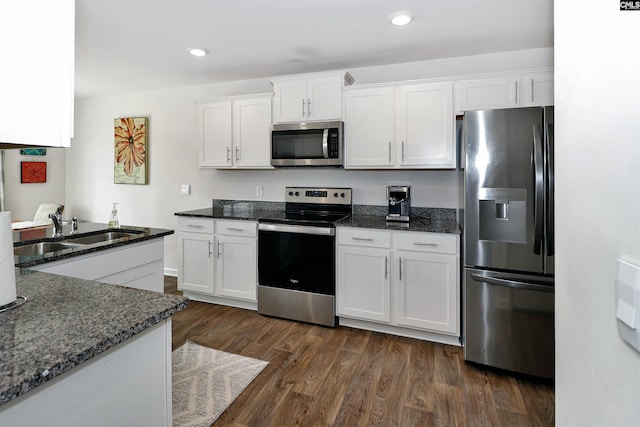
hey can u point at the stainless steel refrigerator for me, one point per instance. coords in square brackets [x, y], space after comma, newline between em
[509, 264]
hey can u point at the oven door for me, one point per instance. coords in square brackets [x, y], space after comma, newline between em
[300, 258]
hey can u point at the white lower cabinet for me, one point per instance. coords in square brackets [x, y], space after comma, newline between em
[400, 282]
[218, 260]
[363, 289]
[195, 271]
[236, 259]
[137, 265]
[426, 294]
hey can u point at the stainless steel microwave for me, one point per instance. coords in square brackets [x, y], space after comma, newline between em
[307, 144]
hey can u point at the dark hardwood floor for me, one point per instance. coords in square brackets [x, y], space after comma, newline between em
[320, 376]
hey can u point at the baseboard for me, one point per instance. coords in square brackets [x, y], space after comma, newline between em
[171, 272]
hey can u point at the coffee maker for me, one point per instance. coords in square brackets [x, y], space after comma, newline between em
[399, 198]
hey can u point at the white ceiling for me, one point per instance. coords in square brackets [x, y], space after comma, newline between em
[129, 45]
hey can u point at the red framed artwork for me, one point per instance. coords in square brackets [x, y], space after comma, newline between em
[33, 172]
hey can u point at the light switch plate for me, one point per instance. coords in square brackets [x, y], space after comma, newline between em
[628, 302]
[185, 189]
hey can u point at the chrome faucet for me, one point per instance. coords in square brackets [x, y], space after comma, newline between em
[56, 218]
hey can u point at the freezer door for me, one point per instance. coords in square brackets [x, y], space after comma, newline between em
[504, 189]
[509, 322]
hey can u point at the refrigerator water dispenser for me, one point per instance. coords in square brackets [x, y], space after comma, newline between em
[502, 215]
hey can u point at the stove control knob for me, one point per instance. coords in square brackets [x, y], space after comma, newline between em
[335, 194]
[342, 195]
[297, 193]
[291, 193]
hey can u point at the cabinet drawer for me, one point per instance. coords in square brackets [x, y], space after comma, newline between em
[195, 225]
[364, 237]
[236, 228]
[426, 242]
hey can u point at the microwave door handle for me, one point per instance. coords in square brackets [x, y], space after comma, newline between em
[325, 143]
[538, 195]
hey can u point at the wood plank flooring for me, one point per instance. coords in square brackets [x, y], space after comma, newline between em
[320, 376]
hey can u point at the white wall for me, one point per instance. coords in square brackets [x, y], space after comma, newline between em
[23, 199]
[173, 152]
[597, 209]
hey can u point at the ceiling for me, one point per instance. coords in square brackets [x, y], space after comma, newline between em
[130, 45]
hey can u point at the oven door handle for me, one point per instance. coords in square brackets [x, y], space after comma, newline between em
[300, 229]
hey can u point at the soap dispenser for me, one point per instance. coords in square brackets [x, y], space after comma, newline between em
[113, 218]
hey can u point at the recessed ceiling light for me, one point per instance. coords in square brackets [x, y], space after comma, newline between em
[197, 51]
[401, 18]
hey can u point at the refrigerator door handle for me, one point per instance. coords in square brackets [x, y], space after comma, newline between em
[511, 283]
[538, 202]
[549, 188]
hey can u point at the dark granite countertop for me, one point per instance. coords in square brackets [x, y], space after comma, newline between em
[432, 220]
[66, 322]
[227, 213]
[416, 224]
[25, 237]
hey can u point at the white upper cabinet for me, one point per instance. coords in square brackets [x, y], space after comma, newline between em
[400, 126]
[36, 104]
[505, 90]
[426, 125]
[369, 127]
[487, 93]
[316, 97]
[235, 132]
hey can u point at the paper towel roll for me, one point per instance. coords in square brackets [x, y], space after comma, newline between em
[7, 268]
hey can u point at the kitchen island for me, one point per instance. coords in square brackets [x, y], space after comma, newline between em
[85, 353]
[129, 256]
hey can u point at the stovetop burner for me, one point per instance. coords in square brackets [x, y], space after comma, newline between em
[305, 218]
[313, 206]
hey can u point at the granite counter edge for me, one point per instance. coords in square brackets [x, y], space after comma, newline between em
[32, 381]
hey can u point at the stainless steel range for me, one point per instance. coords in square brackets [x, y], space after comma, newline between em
[296, 255]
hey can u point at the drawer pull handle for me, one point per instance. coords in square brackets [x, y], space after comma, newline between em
[425, 244]
[362, 239]
[195, 225]
[234, 229]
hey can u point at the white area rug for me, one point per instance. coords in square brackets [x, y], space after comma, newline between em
[206, 381]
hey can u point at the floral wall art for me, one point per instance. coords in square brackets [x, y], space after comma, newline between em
[130, 150]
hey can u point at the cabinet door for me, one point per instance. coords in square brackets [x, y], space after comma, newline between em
[324, 98]
[36, 102]
[236, 267]
[426, 125]
[363, 283]
[426, 291]
[538, 89]
[252, 132]
[195, 271]
[290, 101]
[488, 93]
[215, 134]
[369, 127]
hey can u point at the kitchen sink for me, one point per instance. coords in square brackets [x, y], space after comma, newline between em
[42, 248]
[105, 236]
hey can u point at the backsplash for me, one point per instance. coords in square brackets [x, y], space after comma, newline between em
[250, 205]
